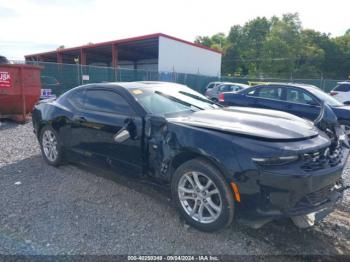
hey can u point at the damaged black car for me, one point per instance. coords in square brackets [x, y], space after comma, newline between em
[221, 164]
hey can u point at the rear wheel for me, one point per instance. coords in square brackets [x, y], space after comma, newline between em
[50, 146]
[202, 196]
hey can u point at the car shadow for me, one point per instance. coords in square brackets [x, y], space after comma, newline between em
[290, 240]
[322, 239]
[7, 124]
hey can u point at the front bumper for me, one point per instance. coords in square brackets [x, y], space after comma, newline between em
[288, 195]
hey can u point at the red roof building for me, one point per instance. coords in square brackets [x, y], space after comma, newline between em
[156, 52]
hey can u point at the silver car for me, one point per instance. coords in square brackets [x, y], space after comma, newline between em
[215, 88]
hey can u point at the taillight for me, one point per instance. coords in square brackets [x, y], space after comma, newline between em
[221, 97]
[333, 93]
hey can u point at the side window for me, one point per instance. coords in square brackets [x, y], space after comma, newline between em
[299, 96]
[251, 92]
[76, 99]
[106, 101]
[225, 88]
[210, 86]
[236, 88]
[72, 99]
[342, 88]
[270, 92]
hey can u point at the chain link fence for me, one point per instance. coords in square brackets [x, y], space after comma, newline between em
[72, 75]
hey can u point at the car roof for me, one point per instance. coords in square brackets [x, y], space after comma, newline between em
[300, 85]
[231, 83]
[347, 82]
[138, 84]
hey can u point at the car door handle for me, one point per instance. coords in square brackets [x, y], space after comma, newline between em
[79, 119]
[289, 106]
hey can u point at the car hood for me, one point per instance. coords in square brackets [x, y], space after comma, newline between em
[262, 123]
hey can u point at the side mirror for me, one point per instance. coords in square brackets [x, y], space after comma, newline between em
[121, 136]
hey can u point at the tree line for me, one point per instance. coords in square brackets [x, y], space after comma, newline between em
[280, 47]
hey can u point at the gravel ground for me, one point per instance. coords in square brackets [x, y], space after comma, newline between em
[80, 210]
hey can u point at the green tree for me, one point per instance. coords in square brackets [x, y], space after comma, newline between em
[203, 40]
[343, 55]
[217, 41]
[280, 47]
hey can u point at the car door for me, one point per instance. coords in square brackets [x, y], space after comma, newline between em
[106, 112]
[245, 98]
[269, 96]
[301, 103]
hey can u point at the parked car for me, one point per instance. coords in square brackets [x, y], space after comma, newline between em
[298, 99]
[263, 164]
[213, 93]
[213, 84]
[3, 60]
[50, 87]
[342, 92]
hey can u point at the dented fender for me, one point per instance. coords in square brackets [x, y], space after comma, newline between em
[171, 144]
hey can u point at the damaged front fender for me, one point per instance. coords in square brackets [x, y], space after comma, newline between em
[169, 145]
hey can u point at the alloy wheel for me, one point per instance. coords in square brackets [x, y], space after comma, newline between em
[199, 197]
[49, 144]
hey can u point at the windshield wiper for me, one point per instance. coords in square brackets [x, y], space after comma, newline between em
[175, 99]
[200, 98]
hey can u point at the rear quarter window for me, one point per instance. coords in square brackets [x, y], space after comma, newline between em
[73, 99]
[210, 86]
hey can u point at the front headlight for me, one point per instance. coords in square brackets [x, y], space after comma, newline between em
[282, 160]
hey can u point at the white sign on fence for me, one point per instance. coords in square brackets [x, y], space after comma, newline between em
[86, 77]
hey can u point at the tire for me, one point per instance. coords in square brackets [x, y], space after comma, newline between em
[346, 125]
[49, 138]
[189, 202]
[215, 100]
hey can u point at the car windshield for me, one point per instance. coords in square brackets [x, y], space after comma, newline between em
[166, 100]
[325, 97]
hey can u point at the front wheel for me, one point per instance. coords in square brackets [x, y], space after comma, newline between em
[202, 195]
[50, 146]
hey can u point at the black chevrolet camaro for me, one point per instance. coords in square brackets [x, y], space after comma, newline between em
[262, 164]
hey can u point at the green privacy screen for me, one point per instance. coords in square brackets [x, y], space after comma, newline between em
[72, 75]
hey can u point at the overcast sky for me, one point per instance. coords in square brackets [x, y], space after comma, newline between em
[31, 26]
